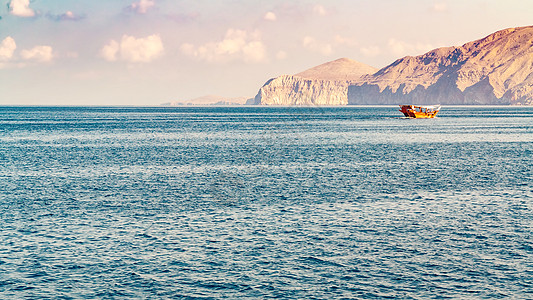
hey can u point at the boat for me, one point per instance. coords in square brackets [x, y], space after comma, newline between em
[420, 112]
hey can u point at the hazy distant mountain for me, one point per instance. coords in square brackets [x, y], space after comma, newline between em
[497, 69]
[326, 84]
[209, 100]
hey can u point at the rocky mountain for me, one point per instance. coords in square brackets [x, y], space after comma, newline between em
[343, 69]
[326, 84]
[497, 69]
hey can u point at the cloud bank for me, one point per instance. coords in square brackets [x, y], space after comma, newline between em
[21, 8]
[38, 54]
[236, 45]
[132, 49]
[7, 48]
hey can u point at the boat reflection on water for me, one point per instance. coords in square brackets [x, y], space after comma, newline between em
[420, 112]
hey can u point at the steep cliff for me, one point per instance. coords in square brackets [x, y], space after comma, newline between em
[326, 84]
[497, 69]
[294, 90]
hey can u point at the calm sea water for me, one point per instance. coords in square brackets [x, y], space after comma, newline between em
[258, 202]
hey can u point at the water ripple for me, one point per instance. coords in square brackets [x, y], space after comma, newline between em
[292, 203]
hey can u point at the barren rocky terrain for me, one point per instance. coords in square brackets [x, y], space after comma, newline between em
[497, 69]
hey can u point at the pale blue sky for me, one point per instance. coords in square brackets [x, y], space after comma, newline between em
[146, 52]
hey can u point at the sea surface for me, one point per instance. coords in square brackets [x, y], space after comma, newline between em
[265, 202]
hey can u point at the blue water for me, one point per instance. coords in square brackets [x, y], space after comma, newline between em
[258, 202]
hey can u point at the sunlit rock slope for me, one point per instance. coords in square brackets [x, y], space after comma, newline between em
[497, 69]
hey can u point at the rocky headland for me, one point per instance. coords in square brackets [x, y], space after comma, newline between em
[326, 84]
[496, 70]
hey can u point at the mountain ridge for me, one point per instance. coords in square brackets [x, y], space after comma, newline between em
[496, 69]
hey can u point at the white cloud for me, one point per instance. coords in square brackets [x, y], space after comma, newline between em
[401, 48]
[142, 6]
[38, 53]
[236, 45]
[270, 16]
[21, 8]
[141, 50]
[319, 10]
[109, 52]
[132, 49]
[312, 44]
[7, 48]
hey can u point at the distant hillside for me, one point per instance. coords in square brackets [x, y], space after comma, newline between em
[497, 69]
[209, 100]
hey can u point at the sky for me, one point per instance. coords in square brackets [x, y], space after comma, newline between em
[148, 52]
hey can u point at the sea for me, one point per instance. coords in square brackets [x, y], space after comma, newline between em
[265, 203]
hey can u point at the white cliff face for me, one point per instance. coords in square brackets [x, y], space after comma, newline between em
[326, 84]
[497, 69]
[294, 90]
